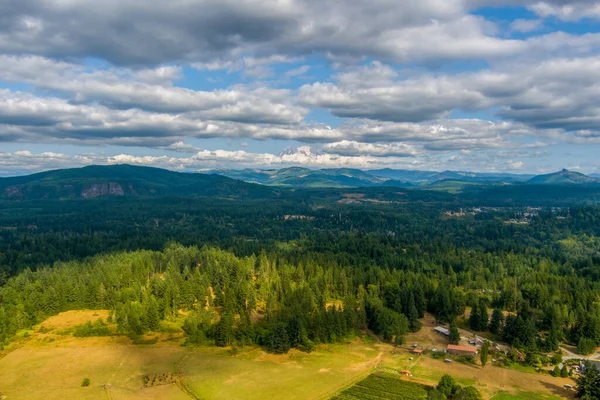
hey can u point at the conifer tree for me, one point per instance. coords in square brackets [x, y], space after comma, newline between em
[482, 317]
[483, 355]
[152, 319]
[224, 330]
[474, 317]
[497, 321]
[278, 341]
[414, 325]
[588, 384]
[454, 336]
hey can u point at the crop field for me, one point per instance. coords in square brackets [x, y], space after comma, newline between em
[382, 386]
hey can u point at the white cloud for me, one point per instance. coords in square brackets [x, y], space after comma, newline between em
[572, 11]
[182, 147]
[555, 94]
[218, 33]
[526, 25]
[401, 77]
[28, 118]
[352, 148]
[152, 90]
[28, 162]
[516, 164]
[297, 71]
[164, 75]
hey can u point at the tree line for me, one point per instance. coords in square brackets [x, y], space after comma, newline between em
[281, 300]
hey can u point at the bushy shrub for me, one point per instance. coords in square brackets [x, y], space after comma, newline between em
[89, 329]
[586, 346]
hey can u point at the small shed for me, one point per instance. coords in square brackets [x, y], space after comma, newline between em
[417, 351]
[405, 373]
[442, 330]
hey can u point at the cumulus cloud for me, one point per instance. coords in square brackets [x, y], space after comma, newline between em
[182, 147]
[34, 119]
[395, 82]
[516, 164]
[571, 11]
[215, 32]
[151, 89]
[298, 71]
[347, 147]
[526, 25]
[555, 94]
[23, 162]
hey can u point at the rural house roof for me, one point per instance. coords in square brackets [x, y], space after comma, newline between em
[462, 348]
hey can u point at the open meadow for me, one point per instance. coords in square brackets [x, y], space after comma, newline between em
[49, 363]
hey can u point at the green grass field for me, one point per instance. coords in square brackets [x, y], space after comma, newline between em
[257, 375]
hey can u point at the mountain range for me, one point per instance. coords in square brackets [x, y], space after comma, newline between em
[128, 180]
[305, 177]
[124, 180]
[346, 177]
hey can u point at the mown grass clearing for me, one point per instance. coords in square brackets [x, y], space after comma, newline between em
[254, 374]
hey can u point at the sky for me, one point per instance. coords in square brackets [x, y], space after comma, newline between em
[192, 85]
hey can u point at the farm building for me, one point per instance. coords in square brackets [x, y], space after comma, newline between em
[461, 350]
[442, 330]
[405, 373]
[417, 351]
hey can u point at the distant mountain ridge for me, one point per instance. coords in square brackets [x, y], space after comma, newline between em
[564, 177]
[129, 180]
[123, 180]
[305, 177]
[348, 177]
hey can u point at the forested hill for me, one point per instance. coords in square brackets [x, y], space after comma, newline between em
[296, 185]
[565, 177]
[124, 180]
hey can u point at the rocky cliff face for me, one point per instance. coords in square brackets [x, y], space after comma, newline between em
[69, 191]
[12, 192]
[103, 189]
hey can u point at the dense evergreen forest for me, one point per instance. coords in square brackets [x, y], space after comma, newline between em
[294, 273]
